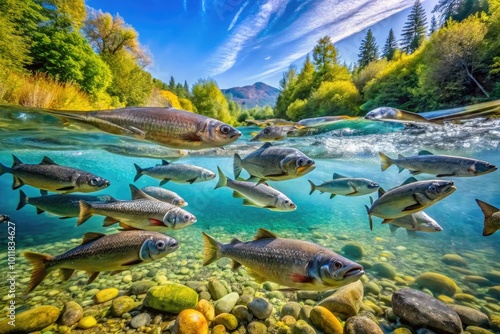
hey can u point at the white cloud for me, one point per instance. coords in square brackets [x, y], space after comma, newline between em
[235, 18]
[267, 58]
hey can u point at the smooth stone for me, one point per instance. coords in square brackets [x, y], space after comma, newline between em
[437, 283]
[465, 297]
[376, 309]
[172, 298]
[87, 322]
[291, 308]
[422, 310]
[105, 295]
[140, 320]
[325, 321]
[242, 313]
[217, 289]
[302, 327]
[141, 287]
[121, 305]
[372, 287]
[454, 260]
[493, 275]
[226, 303]
[346, 301]
[303, 295]
[479, 280]
[288, 320]
[71, 314]
[495, 323]
[470, 316]
[190, 322]
[361, 325]
[402, 330]
[477, 330]
[256, 327]
[445, 299]
[494, 291]
[305, 312]
[353, 250]
[32, 320]
[228, 320]
[244, 299]
[275, 295]
[206, 308]
[219, 329]
[260, 308]
[384, 270]
[127, 279]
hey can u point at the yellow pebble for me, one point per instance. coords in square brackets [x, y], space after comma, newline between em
[87, 322]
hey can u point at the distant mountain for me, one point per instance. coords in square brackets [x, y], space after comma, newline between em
[258, 94]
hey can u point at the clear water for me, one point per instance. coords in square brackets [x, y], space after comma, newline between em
[349, 148]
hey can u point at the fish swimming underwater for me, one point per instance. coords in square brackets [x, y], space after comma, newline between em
[418, 221]
[180, 173]
[346, 186]
[324, 120]
[389, 114]
[274, 163]
[49, 176]
[440, 165]
[165, 126]
[274, 133]
[99, 252]
[491, 217]
[292, 263]
[412, 196]
[161, 194]
[260, 195]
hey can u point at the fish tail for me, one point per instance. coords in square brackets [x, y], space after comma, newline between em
[139, 172]
[385, 161]
[369, 218]
[85, 212]
[222, 179]
[39, 262]
[488, 211]
[212, 249]
[237, 165]
[23, 199]
[4, 169]
[313, 187]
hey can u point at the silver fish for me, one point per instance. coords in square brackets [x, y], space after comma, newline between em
[418, 221]
[491, 218]
[346, 186]
[161, 194]
[259, 195]
[274, 163]
[53, 177]
[324, 120]
[180, 173]
[389, 114]
[274, 133]
[99, 252]
[440, 165]
[293, 263]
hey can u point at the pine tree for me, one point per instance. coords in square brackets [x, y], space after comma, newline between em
[304, 83]
[415, 28]
[186, 88]
[368, 51]
[390, 46]
[171, 84]
[325, 59]
[434, 25]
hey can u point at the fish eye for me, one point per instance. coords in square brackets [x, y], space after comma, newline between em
[337, 265]
[432, 188]
[300, 162]
[225, 129]
[186, 217]
[160, 244]
[94, 181]
[267, 131]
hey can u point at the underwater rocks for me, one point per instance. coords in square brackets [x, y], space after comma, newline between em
[470, 316]
[361, 325]
[32, 320]
[346, 301]
[190, 322]
[105, 295]
[172, 298]
[353, 250]
[454, 260]
[325, 321]
[71, 314]
[121, 305]
[437, 283]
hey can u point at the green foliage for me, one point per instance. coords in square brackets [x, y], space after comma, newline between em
[305, 81]
[325, 61]
[390, 46]
[434, 25]
[257, 113]
[209, 101]
[414, 30]
[297, 110]
[458, 10]
[368, 51]
[339, 97]
[284, 99]
[157, 83]
[369, 72]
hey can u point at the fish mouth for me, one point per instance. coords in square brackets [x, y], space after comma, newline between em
[305, 169]
[449, 189]
[237, 134]
[354, 272]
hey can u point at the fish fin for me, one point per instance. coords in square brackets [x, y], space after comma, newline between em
[39, 211]
[16, 161]
[393, 228]
[66, 188]
[18, 183]
[443, 175]
[409, 180]
[248, 202]
[156, 222]
[415, 172]
[332, 195]
[108, 221]
[237, 195]
[43, 192]
[385, 161]
[262, 181]
[369, 217]
[235, 241]
[65, 217]
[313, 187]
[489, 229]
[23, 199]
[386, 221]
[237, 168]
[39, 262]
[137, 132]
[400, 156]
[164, 162]
[256, 276]
[192, 180]
[338, 176]
[235, 265]
[222, 179]
[400, 169]
[301, 278]
[133, 262]
[47, 161]
[137, 193]
[412, 207]
[425, 152]
[92, 276]
[371, 200]
[266, 145]
[211, 249]
[116, 272]
[162, 182]
[138, 172]
[191, 136]
[381, 192]
[4, 169]
[125, 227]
[488, 211]
[262, 233]
[91, 236]
[66, 273]
[85, 212]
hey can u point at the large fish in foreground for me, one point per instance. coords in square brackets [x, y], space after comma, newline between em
[491, 218]
[274, 163]
[99, 252]
[346, 186]
[180, 173]
[412, 196]
[440, 165]
[166, 126]
[418, 221]
[293, 263]
[49, 176]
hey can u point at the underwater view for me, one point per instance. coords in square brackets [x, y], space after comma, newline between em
[443, 253]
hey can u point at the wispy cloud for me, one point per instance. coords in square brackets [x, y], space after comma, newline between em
[235, 18]
[203, 6]
[184, 4]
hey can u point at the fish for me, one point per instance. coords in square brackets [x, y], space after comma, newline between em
[439, 165]
[260, 195]
[292, 263]
[390, 114]
[418, 221]
[49, 176]
[274, 133]
[324, 120]
[412, 196]
[161, 194]
[274, 163]
[66, 206]
[165, 126]
[100, 252]
[491, 217]
[346, 186]
[180, 173]
[145, 150]
[141, 214]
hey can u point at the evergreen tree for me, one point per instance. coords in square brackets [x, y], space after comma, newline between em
[171, 84]
[325, 59]
[368, 51]
[287, 85]
[390, 46]
[415, 28]
[459, 10]
[304, 83]
[186, 88]
[434, 25]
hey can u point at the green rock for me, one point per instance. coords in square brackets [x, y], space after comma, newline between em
[242, 313]
[121, 305]
[402, 330]
[477, 330]
[454, 260]
[291, 308]
[141, 287]
[226, 303]
[353, 250]
[105, 295]
[302, 327]
[384, 270]
[470, 316]
[275, 295]
[217, 289]
[494, 291]
[373, 288]
[172, 298]
[479, 280]
[71, 314]
[256, 327]
[32, 320]
[495, 323]
[437, 283]
[228, 320]
[305, 312]
[493, 276]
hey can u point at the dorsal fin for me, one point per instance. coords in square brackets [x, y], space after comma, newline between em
[235, 241]
[425, 152]
[91, 236]
[266, 145]
[47, 161]
[409, 180]
[381, 192]
[137, 193]
[164, 162]
[262, 233]
[338, 176]
[16, 162]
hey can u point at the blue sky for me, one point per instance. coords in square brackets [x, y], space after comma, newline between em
[239, 42]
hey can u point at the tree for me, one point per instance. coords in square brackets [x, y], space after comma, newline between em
[186, 88]
[434, 25]
[334, 98]
[304, 83]
[415, 28]
[287, 85]
[72, 11]
[368, 51]
[369, 72]
[459, 10]
[390, 46]
[325, 59]
[171, 84]
[209, 101]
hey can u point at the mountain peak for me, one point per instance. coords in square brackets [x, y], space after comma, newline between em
[258, 94]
